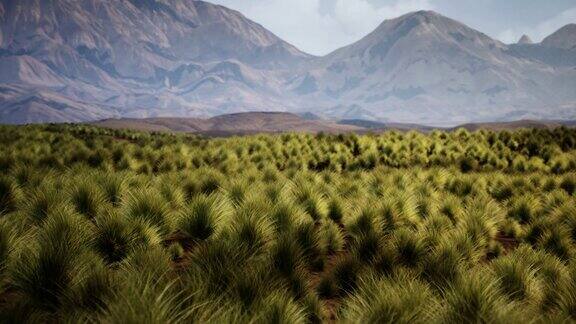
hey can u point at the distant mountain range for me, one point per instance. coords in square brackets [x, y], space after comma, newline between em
[86, 60]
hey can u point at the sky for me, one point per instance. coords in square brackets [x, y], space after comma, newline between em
[321, 26]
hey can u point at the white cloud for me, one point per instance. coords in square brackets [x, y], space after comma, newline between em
[360, 16]
[301, 23]
[541, 30]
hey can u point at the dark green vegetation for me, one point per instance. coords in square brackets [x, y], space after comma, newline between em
[125, 227]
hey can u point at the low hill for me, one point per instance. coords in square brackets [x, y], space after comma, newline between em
[240, 123]
[278, 122]
[516, 125]
[379, 126]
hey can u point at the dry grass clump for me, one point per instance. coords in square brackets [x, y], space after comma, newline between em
[117, 226]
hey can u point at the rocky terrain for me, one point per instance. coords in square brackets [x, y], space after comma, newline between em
[426, 68]
[91, 59]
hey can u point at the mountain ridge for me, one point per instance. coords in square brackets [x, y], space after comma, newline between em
[564, 38]
[179, 58]
[88, 59]
[404, 69]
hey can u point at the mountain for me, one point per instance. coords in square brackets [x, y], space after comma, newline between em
[86, 60]
[525, 40]
[557, 50]
[426, 68]
[564, 38]
[137, 58]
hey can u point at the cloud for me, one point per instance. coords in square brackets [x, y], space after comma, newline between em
[542, 29]
[360, 16]
[302, 23]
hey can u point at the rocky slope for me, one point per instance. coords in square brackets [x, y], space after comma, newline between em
[426, 68]
[564, 38]
[557, 50]
[135, 58]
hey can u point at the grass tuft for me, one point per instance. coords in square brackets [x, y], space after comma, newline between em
[409, 247]
[46, 271]
[10, 195]
[87, 199]
[201, 218]
[475, 298]
[391, 300]
[148, 205]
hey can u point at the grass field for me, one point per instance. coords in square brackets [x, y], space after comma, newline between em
[116, 226]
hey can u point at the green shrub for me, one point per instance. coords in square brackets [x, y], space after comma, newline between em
[314, 204]
[286, 217]
[332, 238]
[364, 222]
[279, 308]
[87, 199]
[5, 251]
[9, 195]
[201, 218]
[307, 237]
[366, 247]
[210, 184]
[46, 271]
[516, 279]
[475, 299]
[468, 164]
[113, 187]
[43, 202]
[525, 209]
[442, 267]
[336, 211]
[114, 237]
[286, 256]
[252, 231]
[567, 300]
[568, 184]
[394, 300]
[409, 247]
[141, 299]
[148, 205]
[345, 275]
[558, 242]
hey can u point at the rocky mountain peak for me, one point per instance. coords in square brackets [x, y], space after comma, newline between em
[525, 40]
[429, 26]
[420, 35]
